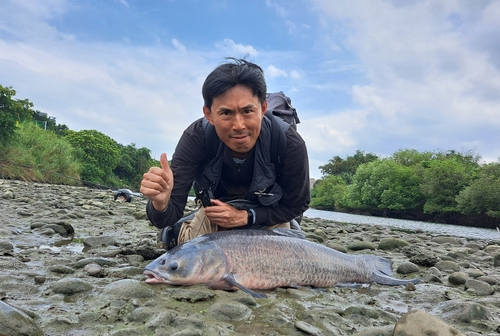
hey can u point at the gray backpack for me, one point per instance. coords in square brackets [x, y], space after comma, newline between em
[281, 105]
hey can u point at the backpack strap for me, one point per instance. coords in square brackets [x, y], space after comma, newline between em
[211, 138]
[278, 140]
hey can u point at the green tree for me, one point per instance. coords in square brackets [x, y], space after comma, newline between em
[411, 157]
[482, 196]
[98, 153]
[328, 193]
[468, 159]
[443, 180]
[133, 163]
[12, 112]
[384, 185]
[346, 168]
[59, 129]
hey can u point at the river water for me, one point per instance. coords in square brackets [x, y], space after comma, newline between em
[444, 229]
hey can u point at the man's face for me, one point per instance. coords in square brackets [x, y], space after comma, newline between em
[236, 116]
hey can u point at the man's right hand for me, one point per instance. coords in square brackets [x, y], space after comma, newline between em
[157, 184]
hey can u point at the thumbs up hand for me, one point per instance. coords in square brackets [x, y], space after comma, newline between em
[157, 184]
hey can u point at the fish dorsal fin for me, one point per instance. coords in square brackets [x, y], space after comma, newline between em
[288, 233]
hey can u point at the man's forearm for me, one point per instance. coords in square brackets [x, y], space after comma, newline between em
[159, 206]
[162, 218]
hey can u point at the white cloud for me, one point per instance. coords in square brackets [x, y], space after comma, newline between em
[280, 10]
[330, 135]
[27, 19]
[286, 13]
[432, 69]
[134, 94]
[333, 131]
[273, 72]
[295, 74]
[237, 49]
[124, 97]
[415, 45]
[123, 2]
[179, 46]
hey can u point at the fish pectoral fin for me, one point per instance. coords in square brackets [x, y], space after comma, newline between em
[230, 280]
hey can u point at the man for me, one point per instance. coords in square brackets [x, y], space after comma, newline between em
[234, 105]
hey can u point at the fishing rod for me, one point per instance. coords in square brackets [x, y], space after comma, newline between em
[124, 194]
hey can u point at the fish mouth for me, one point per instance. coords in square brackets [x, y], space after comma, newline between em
[154, 277]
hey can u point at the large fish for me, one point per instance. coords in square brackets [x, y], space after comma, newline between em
[265, 259]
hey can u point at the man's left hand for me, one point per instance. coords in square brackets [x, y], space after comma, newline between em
[226, 215]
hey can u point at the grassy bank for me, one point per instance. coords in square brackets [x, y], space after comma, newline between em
[34, 154]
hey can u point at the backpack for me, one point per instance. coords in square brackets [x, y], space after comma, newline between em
[281, 105]
[282, 115]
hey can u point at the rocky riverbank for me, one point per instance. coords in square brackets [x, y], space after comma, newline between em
[71, 262]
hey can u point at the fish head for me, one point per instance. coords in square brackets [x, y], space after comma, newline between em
[188, 264]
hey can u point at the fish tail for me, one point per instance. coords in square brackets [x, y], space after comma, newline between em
[382, 270]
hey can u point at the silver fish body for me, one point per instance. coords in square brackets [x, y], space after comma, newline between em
[265, 259]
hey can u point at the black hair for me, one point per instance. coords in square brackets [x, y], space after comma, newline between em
[228, 75]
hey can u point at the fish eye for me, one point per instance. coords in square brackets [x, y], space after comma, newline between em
[174, 265]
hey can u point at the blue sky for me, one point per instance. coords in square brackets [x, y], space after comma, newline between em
[378, 75]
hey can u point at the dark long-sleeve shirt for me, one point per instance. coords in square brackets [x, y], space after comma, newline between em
[190, 155]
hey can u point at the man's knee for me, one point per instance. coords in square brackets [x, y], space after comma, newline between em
[200, 225]
[285, 225]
